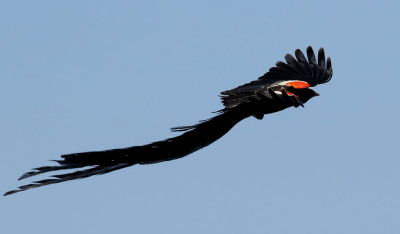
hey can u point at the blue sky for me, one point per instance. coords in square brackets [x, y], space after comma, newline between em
[91, 75]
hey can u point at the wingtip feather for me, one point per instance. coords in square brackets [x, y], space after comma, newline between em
[321, 57]
[311, 55]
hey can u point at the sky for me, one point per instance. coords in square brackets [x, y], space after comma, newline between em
[93, 75]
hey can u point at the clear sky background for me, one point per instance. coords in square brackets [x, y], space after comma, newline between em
[92, 75]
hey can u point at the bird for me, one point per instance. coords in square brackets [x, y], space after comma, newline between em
[287, 84]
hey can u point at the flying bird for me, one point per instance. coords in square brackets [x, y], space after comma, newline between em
[284, 85]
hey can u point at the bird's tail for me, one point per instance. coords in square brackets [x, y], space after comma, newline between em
[101, 162]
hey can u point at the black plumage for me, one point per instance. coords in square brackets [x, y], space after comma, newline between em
[285, 85]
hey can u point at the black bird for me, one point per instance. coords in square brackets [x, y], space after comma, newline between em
[285, 85]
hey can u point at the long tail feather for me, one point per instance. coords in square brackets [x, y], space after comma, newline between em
[101, 162]
[97, 170]
[40, 170]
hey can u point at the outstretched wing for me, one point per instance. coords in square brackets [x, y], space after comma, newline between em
[312, 71]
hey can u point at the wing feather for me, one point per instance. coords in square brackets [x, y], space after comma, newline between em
[312, 70]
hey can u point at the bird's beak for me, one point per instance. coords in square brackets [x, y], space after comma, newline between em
[316, 94]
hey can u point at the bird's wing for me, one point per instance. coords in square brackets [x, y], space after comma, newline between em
[312, 71]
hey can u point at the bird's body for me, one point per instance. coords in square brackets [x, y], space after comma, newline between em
[283, 86]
